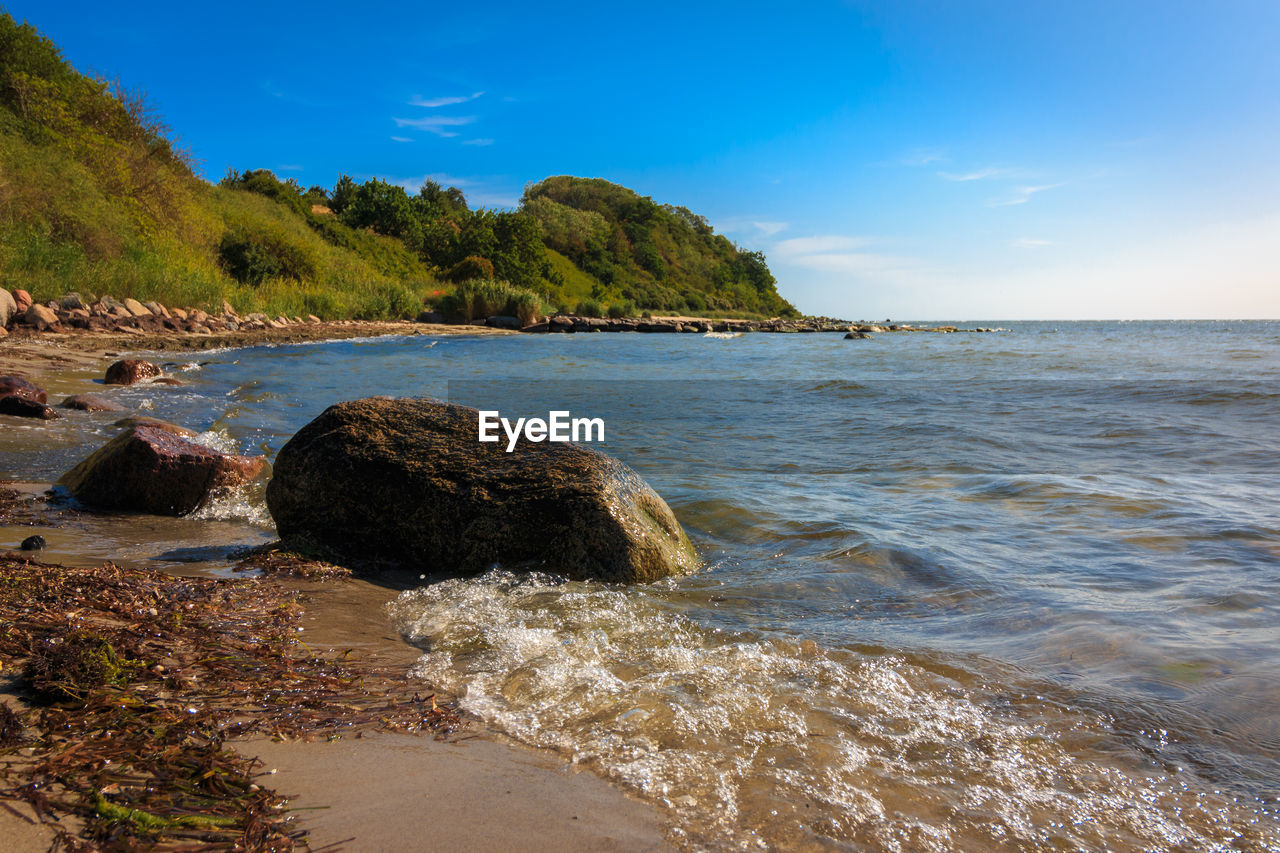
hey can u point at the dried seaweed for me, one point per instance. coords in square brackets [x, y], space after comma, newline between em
[273, 561]
[139, 681]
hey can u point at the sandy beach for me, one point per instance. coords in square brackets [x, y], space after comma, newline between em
[470, 790]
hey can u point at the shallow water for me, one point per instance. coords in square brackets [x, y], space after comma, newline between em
[1003, 591]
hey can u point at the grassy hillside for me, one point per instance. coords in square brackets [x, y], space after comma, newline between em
[96, 197]
[657, 256]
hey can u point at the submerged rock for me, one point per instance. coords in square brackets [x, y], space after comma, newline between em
[151, 469]
[33, 543]
[407, 483]
[24, 407]
[19, 387]
[90, 403]
[144, 420]
[129, 371]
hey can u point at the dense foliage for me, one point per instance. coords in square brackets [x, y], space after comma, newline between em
[95, 196]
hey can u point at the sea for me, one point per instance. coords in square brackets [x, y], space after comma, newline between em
[1016, 590]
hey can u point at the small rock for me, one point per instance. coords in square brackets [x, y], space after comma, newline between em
[3, 332]
[33, 543]
[312, 318]
[178, 314]
[499, 321]
[129, 371]
[166, 380]
[40, 317]
[22, 300]
[136, 308]
[156, 309]
[90, 403]
[21, 407]
[71, 301]
[149, 469]
[855, 335]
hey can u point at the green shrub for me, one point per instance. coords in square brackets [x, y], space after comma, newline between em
[253, 257]
[478, 299]
[470, 267]
[590, 308]
[625, 308]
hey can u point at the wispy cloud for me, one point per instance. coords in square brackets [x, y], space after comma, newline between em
[290, 167]
[439, 125]
[750, 226]
[1021, 195]
[401, 139]
[432, 103]
[834, 253]
[477, 142]
[922, 157]
[1030, 243]
[798, 246]
[978, 174]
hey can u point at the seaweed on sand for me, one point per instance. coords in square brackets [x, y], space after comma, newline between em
[139, 680]
[271, 560]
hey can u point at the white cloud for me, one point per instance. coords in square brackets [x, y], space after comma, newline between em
[477, 142]
[1021, 195]
[439, 125]
[923, 157]
[289, 168]
[798, 246]
[978, 175]
[401, 139]
[1029, 243]
[751, 227]
[419, 101]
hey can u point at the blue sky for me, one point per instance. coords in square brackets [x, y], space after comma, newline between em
[893, 159]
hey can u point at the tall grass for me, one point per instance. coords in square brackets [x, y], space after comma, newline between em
[480, 298]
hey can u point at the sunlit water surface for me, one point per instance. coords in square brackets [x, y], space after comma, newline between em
[1000, 591]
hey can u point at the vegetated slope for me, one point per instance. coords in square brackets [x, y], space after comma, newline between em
[95, 196]
[657, 256]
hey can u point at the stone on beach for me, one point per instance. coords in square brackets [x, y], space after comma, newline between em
[130, 370]
[406, 483]
[8, 307]
[41, 317]
[22, 300]
[151, 469]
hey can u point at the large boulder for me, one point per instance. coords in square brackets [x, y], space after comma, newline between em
[150, 469]
[407, 483]
[131, 370]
